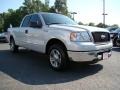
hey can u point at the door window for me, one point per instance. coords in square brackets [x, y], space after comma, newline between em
[35, 19]
[26, 22]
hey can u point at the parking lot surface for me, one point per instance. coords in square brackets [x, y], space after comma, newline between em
[28, 70]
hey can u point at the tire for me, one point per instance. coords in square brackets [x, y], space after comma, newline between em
[118, 43]
[58, 58]
[115, 42]
[13, 46]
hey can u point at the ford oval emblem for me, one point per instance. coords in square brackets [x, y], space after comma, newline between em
[103, 36]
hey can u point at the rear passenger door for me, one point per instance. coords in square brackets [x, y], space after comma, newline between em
[22, 32]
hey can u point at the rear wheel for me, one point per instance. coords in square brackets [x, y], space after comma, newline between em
[13, 46]
[58, 58]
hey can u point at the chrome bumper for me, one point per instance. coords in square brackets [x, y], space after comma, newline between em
[88, 56]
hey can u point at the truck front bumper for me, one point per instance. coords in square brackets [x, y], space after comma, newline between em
[85, 56]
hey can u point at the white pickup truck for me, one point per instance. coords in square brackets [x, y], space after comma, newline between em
[61, 39]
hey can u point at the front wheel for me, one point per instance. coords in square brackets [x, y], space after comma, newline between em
[13, 47]
[118, 43]
[58, 58]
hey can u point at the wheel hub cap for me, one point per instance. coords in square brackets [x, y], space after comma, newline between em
[55, 58]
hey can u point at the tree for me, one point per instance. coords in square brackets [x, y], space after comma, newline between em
[47, 3]
[32, 6]
[101, 25]
[14, 17]
[91, 24]
[80, 23]
[52, 9]
[1, 22]
[61, 6]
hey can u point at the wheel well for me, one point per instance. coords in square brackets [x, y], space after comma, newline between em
[55, 41]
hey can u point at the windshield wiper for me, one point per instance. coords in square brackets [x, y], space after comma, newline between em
[53, 23]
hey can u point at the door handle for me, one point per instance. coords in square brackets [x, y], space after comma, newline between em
[26, 31]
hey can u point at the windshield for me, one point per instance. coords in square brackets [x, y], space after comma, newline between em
[57, 19]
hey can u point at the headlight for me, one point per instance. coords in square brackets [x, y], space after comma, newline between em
[82, 36]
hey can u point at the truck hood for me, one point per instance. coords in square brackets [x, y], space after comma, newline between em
[77, 28]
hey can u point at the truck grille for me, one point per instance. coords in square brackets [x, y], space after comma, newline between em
[100, 37]
[2, 37]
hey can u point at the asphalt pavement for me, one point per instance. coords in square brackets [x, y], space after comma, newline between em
[28, 70]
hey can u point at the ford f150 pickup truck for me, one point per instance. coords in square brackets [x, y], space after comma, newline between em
[61, 39]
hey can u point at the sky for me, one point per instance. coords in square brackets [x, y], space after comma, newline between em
[87, 10]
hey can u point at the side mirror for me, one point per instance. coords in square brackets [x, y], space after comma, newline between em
[35, 24]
